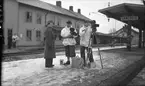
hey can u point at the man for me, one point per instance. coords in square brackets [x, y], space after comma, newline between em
[15, 38]
[85, 35]
[49, 51]
[69, 42]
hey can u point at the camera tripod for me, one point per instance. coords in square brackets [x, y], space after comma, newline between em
[89, 51]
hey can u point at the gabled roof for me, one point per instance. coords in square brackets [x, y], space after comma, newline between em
[120, 31]
[53, 8]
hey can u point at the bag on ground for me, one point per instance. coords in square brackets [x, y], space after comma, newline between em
[77, 62]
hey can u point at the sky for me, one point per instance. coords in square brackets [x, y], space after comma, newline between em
[89, 6]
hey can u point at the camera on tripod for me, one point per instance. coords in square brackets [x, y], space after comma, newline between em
[94, 29]
[94, 25]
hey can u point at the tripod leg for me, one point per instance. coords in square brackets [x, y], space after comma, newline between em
[100, 58]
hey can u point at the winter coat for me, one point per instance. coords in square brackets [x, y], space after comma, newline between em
[65, 32]
[85, 34]
[49, 51]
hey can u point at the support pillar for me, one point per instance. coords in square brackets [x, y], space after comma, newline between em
[140, 38]
[129, 37]
[143, 38]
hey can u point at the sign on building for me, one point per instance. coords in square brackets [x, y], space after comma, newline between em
[129, 18]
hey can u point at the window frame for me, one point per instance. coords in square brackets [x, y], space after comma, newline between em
[28, 18]
[58, 21]
[38, 18]
[28, 34]
[38, 35]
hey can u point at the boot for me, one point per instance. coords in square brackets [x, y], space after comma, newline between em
[48, 63]
[67, 63]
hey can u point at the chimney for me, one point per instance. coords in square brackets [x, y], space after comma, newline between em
[71, 8]
[58, 3]
[79, 11]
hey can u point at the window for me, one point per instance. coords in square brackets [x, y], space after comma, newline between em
[53, 19]
[38, 35]
[29, 35]
[76, 24]
[59, 22]
[28, 16]
[60, 37]
[38, 18]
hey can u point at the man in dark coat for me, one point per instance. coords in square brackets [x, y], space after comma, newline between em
[49, 52]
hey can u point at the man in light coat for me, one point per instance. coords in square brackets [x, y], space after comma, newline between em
[85, 33]
[69, 42]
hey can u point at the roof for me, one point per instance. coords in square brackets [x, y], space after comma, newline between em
[107, 35]
[102, 34]
[120, 31]
[99, 33]
[127, 9]
[53, 8]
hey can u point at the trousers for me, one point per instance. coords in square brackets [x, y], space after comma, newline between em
[82, 50]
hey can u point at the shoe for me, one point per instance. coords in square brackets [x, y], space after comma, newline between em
[50, 66]
[67, 63]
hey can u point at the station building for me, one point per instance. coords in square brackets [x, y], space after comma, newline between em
[27, 18]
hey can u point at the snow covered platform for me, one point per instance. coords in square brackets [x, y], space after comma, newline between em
[33, 73]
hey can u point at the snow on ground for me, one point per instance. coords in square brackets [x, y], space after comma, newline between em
[18, 73]
[27, 67]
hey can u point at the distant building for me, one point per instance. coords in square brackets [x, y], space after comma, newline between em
[27, 18]
[123, 33]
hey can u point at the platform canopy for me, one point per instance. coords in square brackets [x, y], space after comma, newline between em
[133, 14]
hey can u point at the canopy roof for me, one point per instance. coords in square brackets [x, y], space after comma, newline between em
[127, 9]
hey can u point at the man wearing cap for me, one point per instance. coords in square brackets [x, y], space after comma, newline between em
[69, 42]
[85, 33]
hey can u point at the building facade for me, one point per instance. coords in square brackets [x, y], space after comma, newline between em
[123, 33]
[27, 18]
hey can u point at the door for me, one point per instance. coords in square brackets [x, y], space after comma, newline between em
[10, 32]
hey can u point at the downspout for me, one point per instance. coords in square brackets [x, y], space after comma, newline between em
[45, 18]
[45, 26]
[18, 23]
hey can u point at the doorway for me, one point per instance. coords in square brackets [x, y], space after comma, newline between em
[9, 38]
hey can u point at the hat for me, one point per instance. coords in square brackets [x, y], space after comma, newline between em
[69, 22]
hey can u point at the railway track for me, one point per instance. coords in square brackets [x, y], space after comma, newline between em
[39, 51]
[29, 52]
